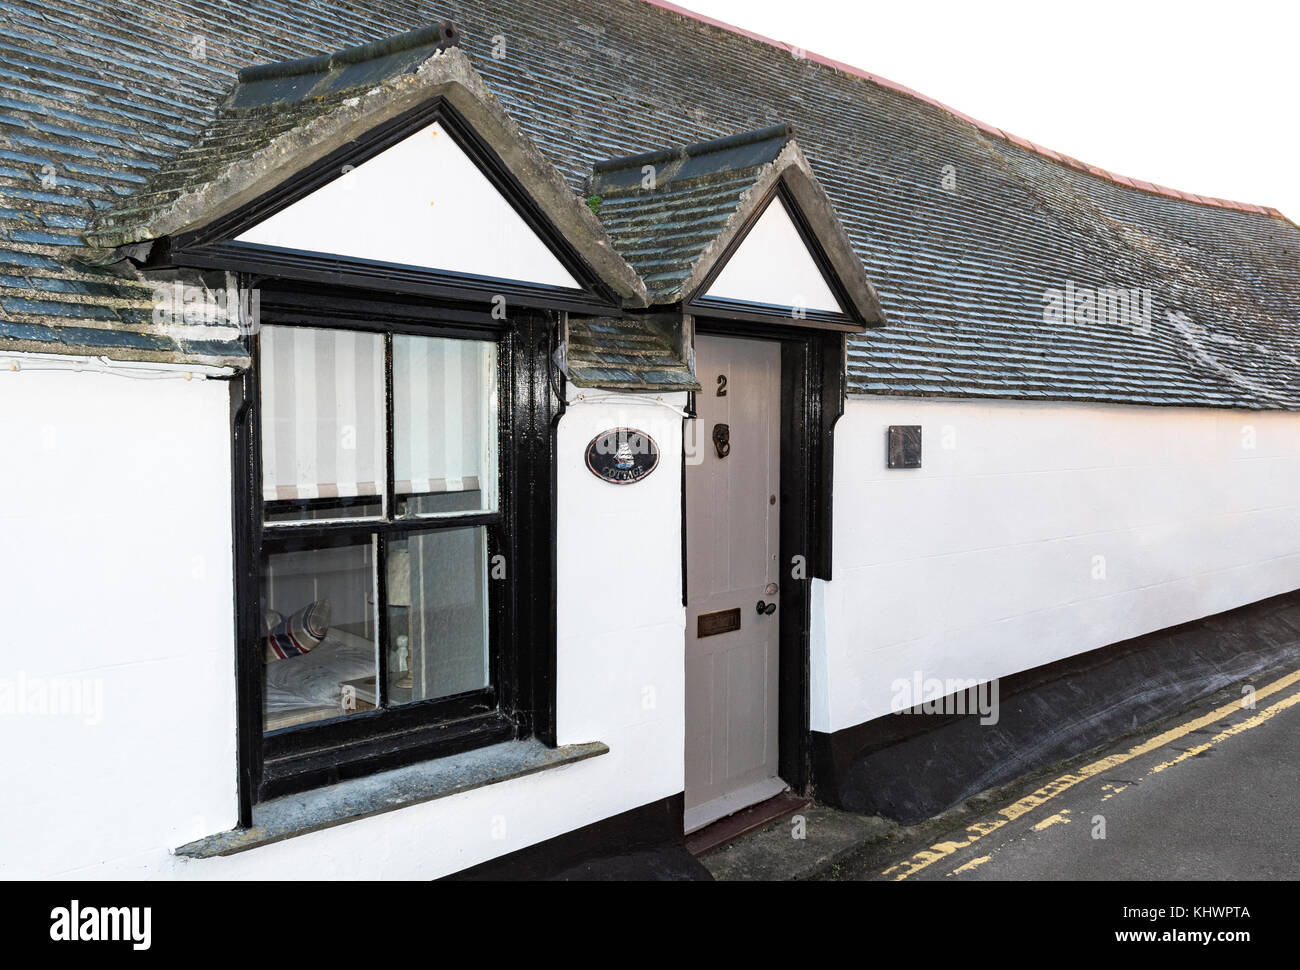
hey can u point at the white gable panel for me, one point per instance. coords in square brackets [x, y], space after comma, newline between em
[422, 202]
[772, 265]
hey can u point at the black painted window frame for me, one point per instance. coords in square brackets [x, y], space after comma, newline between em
[521, 701]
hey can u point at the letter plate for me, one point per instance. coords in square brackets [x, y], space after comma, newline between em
[723, 621]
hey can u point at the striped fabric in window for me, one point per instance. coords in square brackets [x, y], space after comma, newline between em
[444, 420]
[322, 413]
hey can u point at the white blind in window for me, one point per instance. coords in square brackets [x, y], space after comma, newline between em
[322, 413]
[441, 395]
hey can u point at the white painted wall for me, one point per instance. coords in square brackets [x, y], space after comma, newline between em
[115, 577]
[984, 561]
[118, 574]
[114, 504]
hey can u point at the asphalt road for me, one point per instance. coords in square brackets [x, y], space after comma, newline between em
[1211, 794]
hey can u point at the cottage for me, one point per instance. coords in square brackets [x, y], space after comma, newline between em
[476, 441]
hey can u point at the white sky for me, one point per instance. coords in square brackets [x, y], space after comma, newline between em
[1199, 96]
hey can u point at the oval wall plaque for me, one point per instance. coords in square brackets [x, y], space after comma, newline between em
[622, 456]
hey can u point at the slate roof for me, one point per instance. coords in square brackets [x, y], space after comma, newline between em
[698, 188]
[99, 94]
[282, 118]
[267, 102]
[635, 352]
[673, 213]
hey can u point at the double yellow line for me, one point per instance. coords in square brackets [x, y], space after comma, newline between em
[943, 850]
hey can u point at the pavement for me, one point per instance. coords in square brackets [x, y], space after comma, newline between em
[1212, 792]
[671, 864]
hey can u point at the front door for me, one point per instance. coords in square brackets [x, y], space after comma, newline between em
[732, 540]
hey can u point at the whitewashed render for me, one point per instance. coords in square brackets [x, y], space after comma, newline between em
[153, 620]
[1036, 531]
[115, 512]
[982, 563]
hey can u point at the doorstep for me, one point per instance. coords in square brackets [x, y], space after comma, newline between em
[777, 852]
[734, 826]
[357, 798]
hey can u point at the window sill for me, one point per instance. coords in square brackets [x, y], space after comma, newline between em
[292, 815]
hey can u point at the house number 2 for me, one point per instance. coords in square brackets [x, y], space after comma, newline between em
[722, 385]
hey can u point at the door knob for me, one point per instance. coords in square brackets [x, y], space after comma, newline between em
[765, 608]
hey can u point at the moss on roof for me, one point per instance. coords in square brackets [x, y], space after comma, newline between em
[962, 232]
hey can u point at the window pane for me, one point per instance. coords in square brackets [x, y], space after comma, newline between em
[319, 628]
[444, 425]
[437, 619]
[322, 423]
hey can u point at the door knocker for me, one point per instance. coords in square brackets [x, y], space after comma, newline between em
[722, 439]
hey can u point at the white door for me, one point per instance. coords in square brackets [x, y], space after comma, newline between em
[732, 541]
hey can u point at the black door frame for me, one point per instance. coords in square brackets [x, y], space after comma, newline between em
[812, 400]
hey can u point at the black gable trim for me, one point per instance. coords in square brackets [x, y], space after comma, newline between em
[852, 321]
[212, 245]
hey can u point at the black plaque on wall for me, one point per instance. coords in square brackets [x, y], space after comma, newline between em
[622, 456]
[904, 446]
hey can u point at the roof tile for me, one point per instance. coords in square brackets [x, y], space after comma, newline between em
[961, 274]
